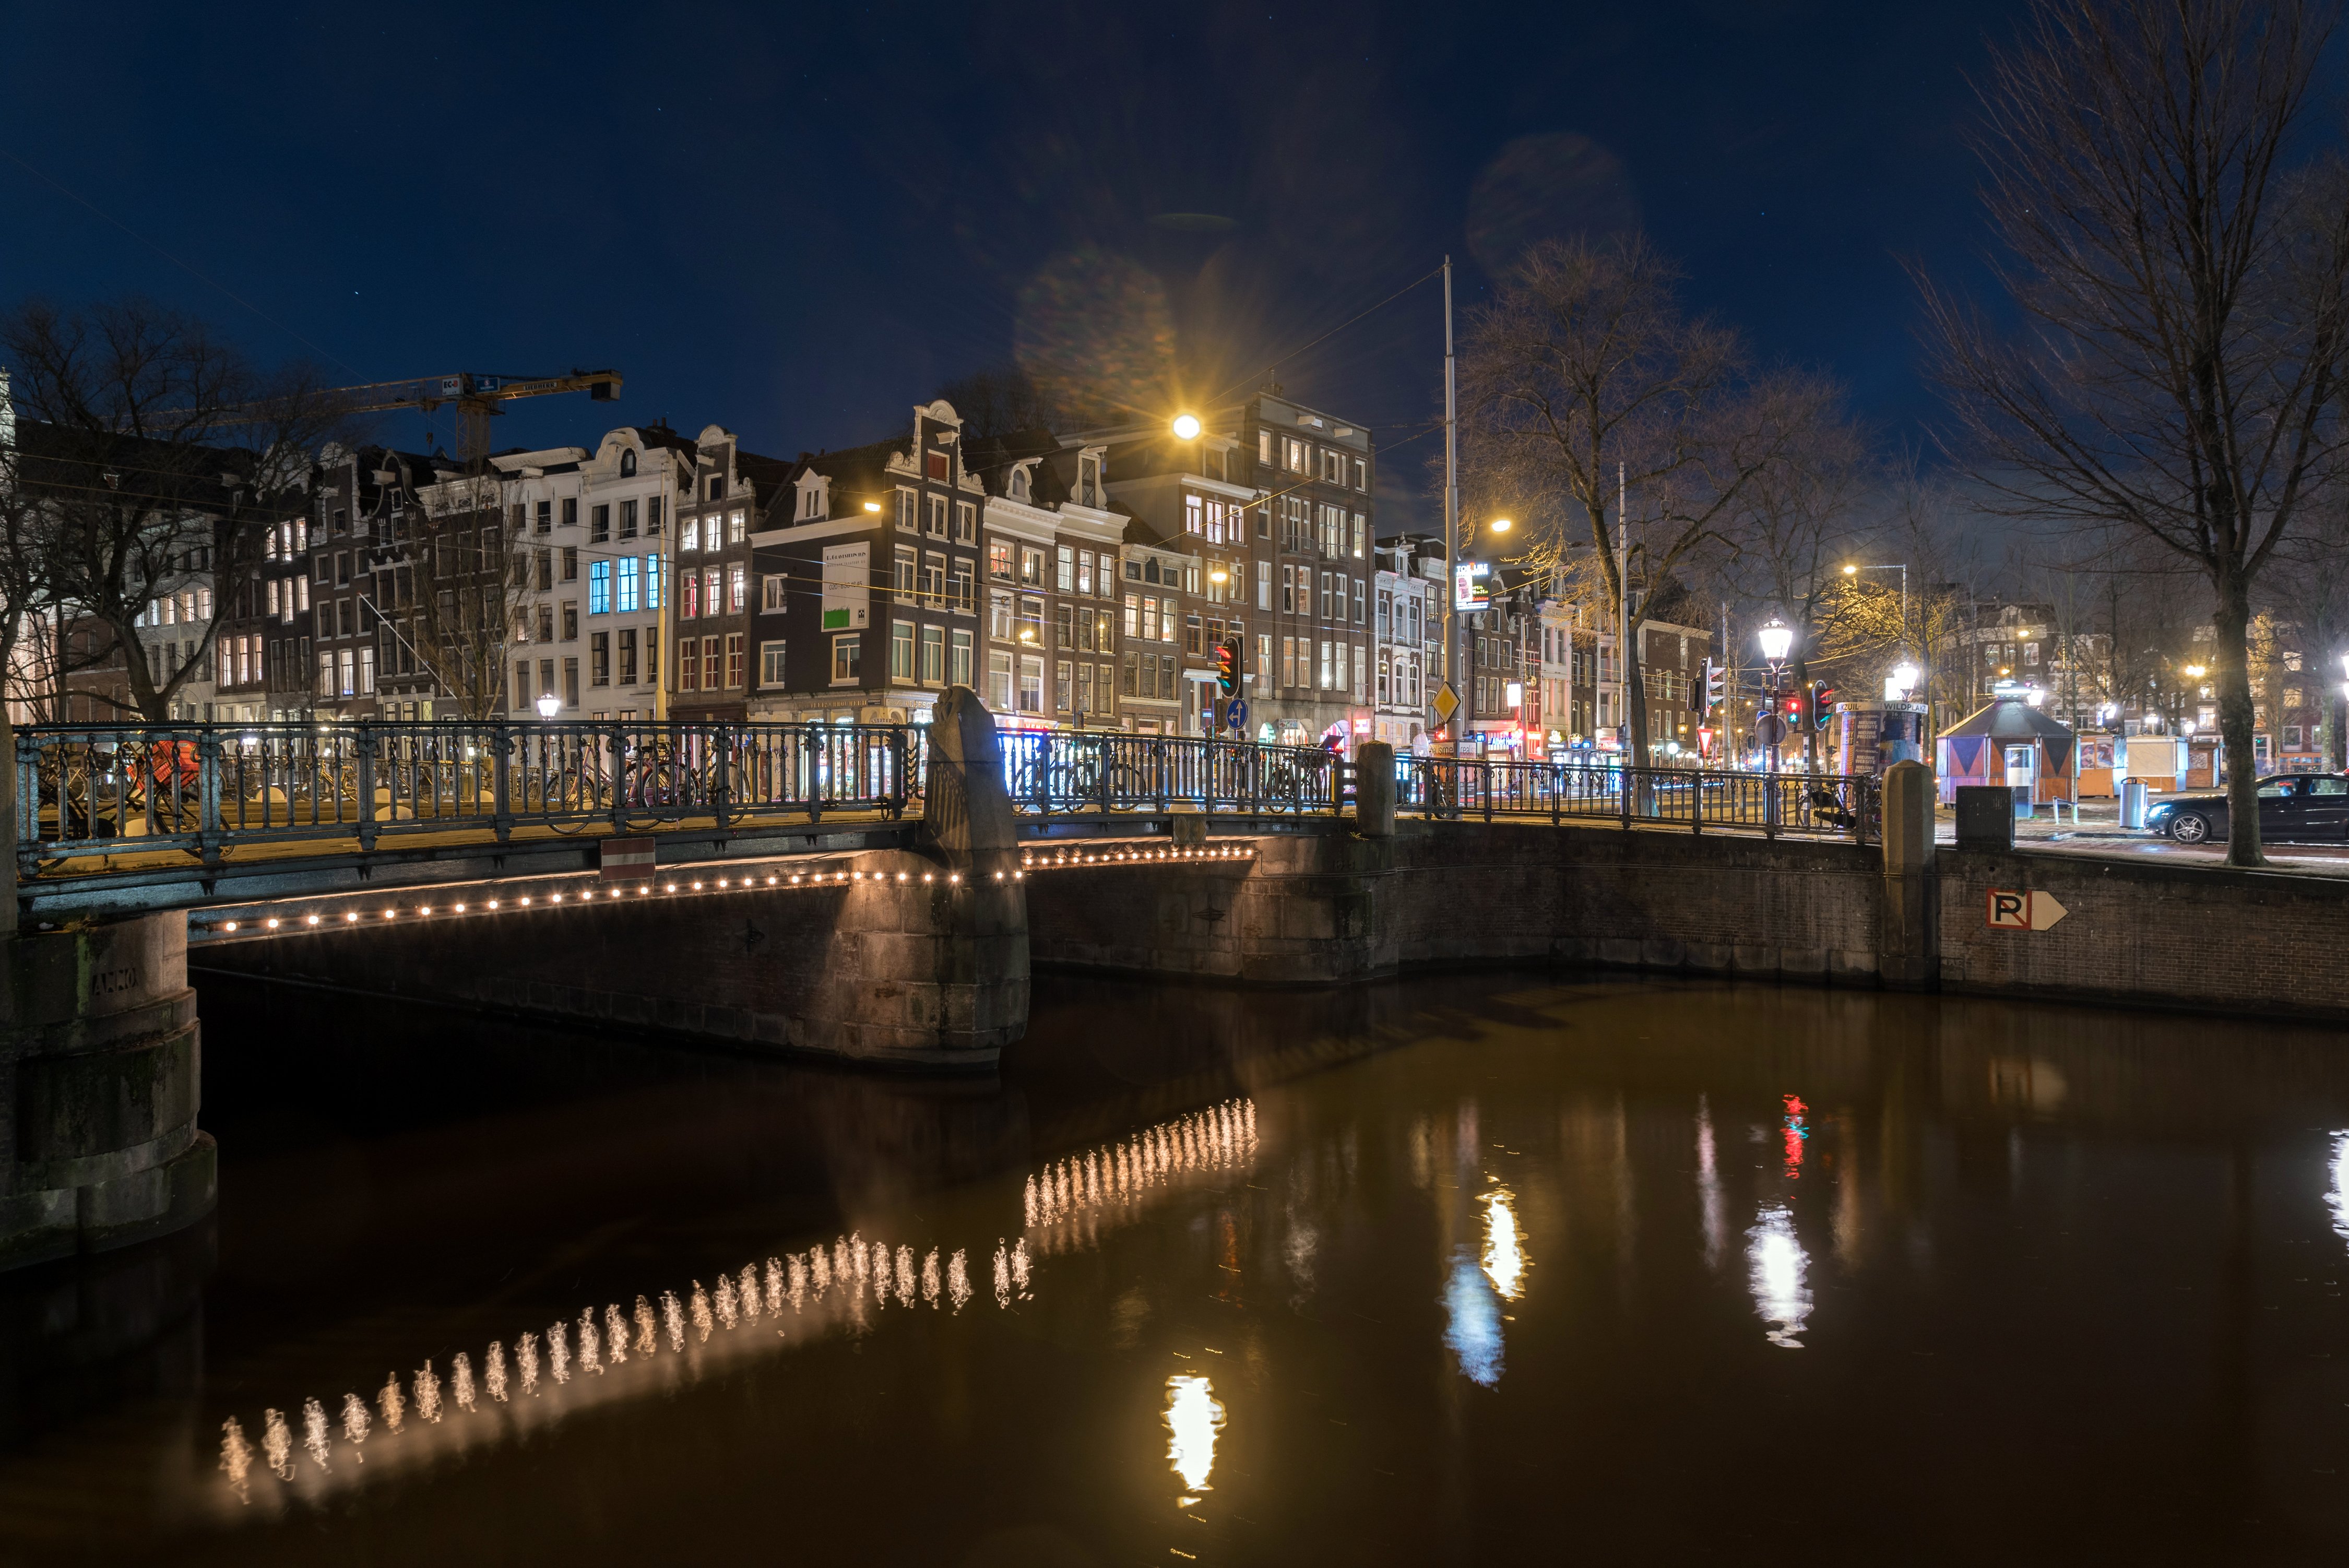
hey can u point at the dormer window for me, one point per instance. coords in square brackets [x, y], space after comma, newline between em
[1088, 478]
[815, 498]
[1020, 482]
[717, 488]
[627, 465]
[937, 464]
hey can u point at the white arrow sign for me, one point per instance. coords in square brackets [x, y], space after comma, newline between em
[2010, 909]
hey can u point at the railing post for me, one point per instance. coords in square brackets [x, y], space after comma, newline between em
[898, 750]
[1623, 792]
[365, 745]
[208, 772]
[723, 790]
[1696, 800]
[502, 781]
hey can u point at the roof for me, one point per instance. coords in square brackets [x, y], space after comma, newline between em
[2009, 719]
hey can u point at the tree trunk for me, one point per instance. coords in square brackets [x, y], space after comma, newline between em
[1635, 701]
[2231, 626]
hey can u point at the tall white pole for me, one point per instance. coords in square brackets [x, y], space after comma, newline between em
[1451, 521]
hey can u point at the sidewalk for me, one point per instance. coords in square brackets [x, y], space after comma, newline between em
[2098, 834]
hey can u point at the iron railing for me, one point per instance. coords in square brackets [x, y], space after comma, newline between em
[1814, 804]
[1052, 773]
[91, 790]
[86, 789]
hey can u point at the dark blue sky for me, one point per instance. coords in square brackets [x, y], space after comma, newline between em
[798, 220]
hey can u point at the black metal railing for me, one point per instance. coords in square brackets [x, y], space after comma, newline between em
[1814, 804]
[87, 790]
[1058, 774]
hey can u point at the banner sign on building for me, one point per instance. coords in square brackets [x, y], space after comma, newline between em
[847, 587]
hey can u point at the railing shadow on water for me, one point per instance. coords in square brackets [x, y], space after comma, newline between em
[1810, 805]
[88, 792]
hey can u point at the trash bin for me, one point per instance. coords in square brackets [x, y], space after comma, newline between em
[2132, 802]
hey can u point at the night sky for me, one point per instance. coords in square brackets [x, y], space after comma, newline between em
[798, 222]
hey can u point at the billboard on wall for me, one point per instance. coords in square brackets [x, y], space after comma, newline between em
[847, 587]
[1472, 585]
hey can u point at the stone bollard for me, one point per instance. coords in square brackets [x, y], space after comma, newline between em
[1909, 955]
[1374, 791]
[99, 1057]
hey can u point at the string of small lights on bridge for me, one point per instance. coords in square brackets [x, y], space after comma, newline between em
[1102, 855]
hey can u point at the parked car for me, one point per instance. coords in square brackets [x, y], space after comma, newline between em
[2303, 808]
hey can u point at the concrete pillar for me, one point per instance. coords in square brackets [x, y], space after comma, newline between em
[1374, 789]
[98, 1143]
[1908, 952]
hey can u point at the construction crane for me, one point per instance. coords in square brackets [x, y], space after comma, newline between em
[475, 396]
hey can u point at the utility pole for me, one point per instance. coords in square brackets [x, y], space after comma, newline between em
[1451, 523]
[1622, 622]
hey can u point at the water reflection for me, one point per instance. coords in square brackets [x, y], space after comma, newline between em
[1472, 1320]
[1776, 1267]
[1193, 1417]
[1713, 1210]
[1505, 1253]
[2337, 1198]
[1069, 1198]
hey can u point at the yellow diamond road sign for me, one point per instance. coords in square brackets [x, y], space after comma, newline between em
[1446, 703]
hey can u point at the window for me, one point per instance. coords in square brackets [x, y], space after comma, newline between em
[571, 619]
[571, 563]
[692, 536]
[1193, 512]
[571, 511]
[712, 587]
[599, 524]
[1362, 656]
[962, 590]
[906, 518]
[570, 682]
[653, 515]
[1031, 567]
[998, 681]
[999, 615]
[901, 650]
[770, 663]
[999, 559]
[1358, 601]
[628, 514]
[1031, 616]
[965, 529]
[1084, 571]
[521, 684]
[1064, 635]
[934, 580]
[770, 594]
[652, 660]
[908, 569]
[934, 656]
[938, 508]
[654, 571]
[737, 659]
[710, 664]
[627, 464]
[628, 656]
[545, 517]
[599, 659]
[1263, 584]
[1264, 659]
[737, 588]
[599, 587]
[1361, 474]
[1031, 685]
[1361, 535]
[958, 650]
[1064, 575]
[627, 598]
[1063, 685]
[1287, 660]
[733, 529]
[1264, 448]
[546, 623]
[718, 487]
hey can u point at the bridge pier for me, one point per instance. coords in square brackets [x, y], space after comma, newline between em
[98, 1143]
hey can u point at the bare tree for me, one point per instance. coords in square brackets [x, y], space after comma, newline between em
[2181, 285]
[1584, 361]
[2311, 591]
[149, 444]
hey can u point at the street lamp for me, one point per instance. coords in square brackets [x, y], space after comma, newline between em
[549, 706]
[1187, 428]
[1777, 640]
[1500, 525]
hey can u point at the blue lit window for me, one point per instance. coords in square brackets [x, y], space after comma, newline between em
[599, 587]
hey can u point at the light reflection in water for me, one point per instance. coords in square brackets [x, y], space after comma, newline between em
[1776, 1266]
[1193, 1417]
[845, 1282]
[1471, 1327]
[1708, 1187]
[1795, 1132]
[1504, 1253]
[2337, 1200]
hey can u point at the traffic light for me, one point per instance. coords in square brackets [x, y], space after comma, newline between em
[1716, 685]
[1791, 704]
[1227, 667]
[1822, 695]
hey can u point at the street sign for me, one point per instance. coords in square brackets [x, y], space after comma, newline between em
[2013, 909]
[1237, 714]
[1769, 730]
[1447, 703]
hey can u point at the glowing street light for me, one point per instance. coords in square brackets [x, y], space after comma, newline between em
[1500, 525]
[549, 706]
[873, 506]
[1187, 426]
[1778, 641]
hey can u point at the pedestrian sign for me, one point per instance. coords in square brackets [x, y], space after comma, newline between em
[1447, 703]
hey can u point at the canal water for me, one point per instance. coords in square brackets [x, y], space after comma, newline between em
[1490, 1269]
